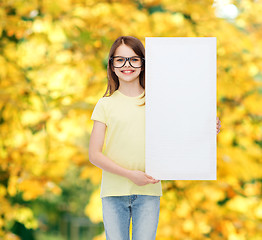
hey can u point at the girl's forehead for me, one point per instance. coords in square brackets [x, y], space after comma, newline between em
[124, 50]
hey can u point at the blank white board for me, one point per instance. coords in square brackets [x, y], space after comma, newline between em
[180, 110]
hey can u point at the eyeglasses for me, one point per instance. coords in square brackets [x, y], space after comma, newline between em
[135, 61]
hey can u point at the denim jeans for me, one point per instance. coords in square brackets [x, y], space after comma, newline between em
[117, 211]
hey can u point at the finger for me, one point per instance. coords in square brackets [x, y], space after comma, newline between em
[157, 181]
[150, 180]
[148, 176]
[153, 181]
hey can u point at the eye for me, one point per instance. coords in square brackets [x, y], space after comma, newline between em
[119, 59]
[135, 59]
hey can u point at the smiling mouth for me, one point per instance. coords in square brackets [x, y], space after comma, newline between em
[127, 71]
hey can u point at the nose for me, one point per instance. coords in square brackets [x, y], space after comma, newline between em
[127, 62]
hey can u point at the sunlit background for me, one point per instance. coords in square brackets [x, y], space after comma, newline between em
[53, 59]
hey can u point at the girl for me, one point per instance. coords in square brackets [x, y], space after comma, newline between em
[126, 190]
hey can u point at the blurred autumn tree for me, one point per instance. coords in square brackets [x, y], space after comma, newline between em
[53, 70]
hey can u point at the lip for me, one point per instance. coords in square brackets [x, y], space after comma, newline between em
[128, 70]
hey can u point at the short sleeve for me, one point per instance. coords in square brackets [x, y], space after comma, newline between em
[99, 112]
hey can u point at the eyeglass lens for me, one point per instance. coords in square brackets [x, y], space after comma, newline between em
[134, 61]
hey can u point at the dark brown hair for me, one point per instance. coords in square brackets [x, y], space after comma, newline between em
[138, 48]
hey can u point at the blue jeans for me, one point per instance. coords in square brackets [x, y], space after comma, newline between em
[117, 211]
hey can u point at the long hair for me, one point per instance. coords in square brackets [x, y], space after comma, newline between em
[138, 48]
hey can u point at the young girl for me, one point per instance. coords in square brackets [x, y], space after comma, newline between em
[126, 190]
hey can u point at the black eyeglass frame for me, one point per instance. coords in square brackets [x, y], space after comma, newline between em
[127, 58]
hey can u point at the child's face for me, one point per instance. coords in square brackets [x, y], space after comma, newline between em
[125, 51]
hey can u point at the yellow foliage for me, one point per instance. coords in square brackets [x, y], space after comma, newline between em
[79, 159]
[56, 34]
[164, 216]
[203, 226]
[258, 211]
[56, 7]
[242, 204]
[31, 188]
[252, 189]
[10, 236]
[25, 215]
[2, 191]
[53, 72]
[213, 193]
[183, 209]
[56, 169]
[253, 103]
[12, 185]
[27, 57]
[236, 236]
[102, 236]
[25, 7]
[94, 208]
[188, 225]
[51, 186]
[93, 173]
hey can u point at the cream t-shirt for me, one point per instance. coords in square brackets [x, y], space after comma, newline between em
[124, 143]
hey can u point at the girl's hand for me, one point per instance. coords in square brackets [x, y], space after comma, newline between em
[218, 125]
[140, 178]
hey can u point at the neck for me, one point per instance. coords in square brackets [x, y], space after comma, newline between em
[131, 89]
